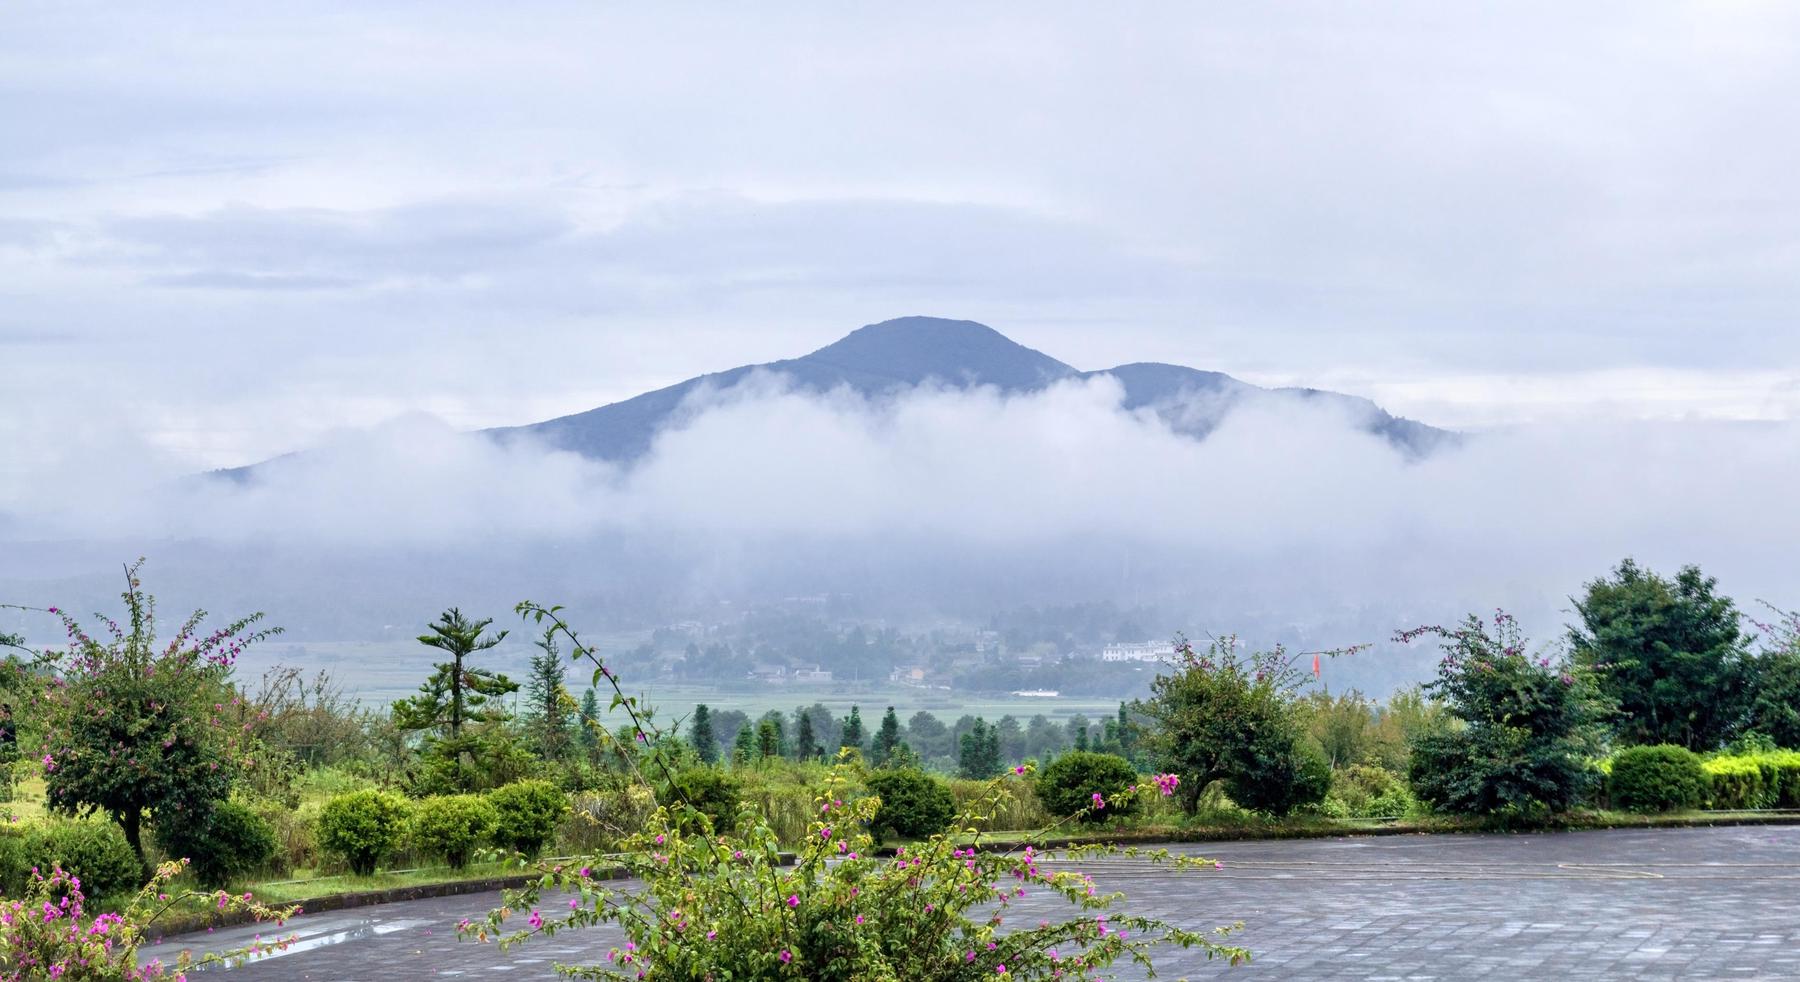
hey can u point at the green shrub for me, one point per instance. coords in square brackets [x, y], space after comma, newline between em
[232, 841]
[93, 851]
[712, 791]
[452, 825]
[363, 827]
[1070, 783]
[526, 814]
[1368, 792]
[1662, 778]
[1762, 780]
[913, 804]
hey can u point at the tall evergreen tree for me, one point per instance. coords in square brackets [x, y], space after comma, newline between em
[980, 756]
[853, 729]
[548, 712]
[743, 749]
[768, 738]
[806, 746]
[455, 693]
[886, 738]
[701, 735]
[588, 717]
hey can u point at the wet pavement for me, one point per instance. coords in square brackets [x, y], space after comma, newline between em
[1663, 904]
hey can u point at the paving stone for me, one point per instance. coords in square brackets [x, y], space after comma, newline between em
[1643, 904]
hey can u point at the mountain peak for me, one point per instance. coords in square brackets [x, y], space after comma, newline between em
[912, 350]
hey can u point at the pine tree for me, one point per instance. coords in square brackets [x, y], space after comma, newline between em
[806, 746]
[588, 718]
[549, 709]
[980, 752]
[886, 738]
[455, 693]
[743, 749]
[768, 739]
[853, 729]
[701, 734]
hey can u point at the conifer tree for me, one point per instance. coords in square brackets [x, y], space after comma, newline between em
[701, 735]
[853, 729]
[548, 702]
[806, 746]
[886, 739]
[743, 749]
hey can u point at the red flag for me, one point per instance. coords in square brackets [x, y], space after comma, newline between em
[1315, 665]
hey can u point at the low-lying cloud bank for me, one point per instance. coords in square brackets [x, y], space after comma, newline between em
[951, 499]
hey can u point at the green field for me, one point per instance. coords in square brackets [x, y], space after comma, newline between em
[378, 672]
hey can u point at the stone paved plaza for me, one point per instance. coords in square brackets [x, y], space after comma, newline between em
[1667, 904]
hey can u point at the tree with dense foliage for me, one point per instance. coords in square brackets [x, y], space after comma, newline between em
[928, 735]
[979, 756]
[1668, 654]
[853, 730]
[1531, 726]
[587, 719]
[549, 702]
[134, 728]
[768, 739]
[1219, 716]
[1775, 699]
[700, 734]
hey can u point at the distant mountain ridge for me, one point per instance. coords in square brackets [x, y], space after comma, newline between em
[896, 355]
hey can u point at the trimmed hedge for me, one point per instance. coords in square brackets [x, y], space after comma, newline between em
[452, 825]
[914, 804]
[526, 814]
[363, 827]
[1070, 782]
[93, 850]
[1767, 780]
[1662, 778]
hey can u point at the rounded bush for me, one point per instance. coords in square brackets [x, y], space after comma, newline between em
[712, 791]
[93, 851]
[452, 825]
[913, 803]
[232, 841]
[362, 827]
[526, 814]
[1657, 779]
[1071, 781]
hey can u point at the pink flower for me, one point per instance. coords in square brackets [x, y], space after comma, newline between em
[1099, 802]
[786, 956]
[793, 900]
[536, 919]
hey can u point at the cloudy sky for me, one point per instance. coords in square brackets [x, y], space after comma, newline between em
[228, 230]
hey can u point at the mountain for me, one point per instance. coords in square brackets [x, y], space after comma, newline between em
[892, 356]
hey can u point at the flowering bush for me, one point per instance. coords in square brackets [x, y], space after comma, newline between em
[724, 906]
[1219, 716]
[132, 726]
[1531, 725]
[47, 933]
